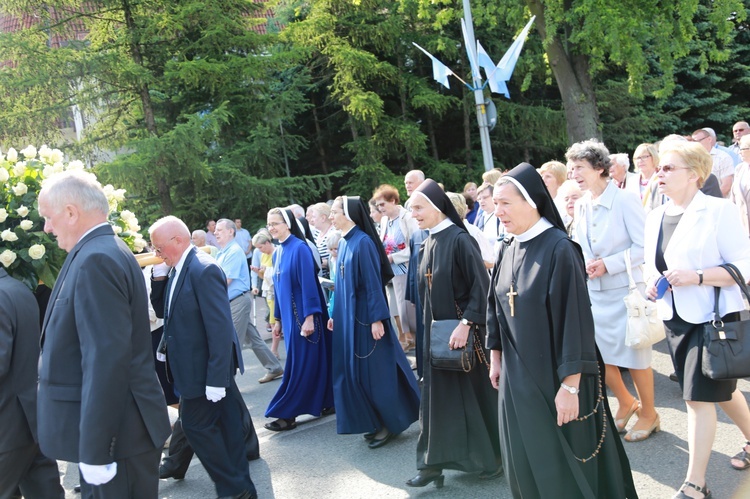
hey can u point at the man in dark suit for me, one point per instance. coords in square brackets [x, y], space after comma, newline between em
[201, 350]
[24, 467]
[99, 401]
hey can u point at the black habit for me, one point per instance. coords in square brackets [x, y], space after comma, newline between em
[459, 410]
[551, 336]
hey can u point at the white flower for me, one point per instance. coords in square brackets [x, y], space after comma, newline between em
[139, 243]
[133, 226]
[127, 216]
[7, 258]
[117, 229]
[119, 195]
[29, 152]
[20, 189]
[3, 215]
[58, 167]
[8, 235]
[56, 156]
[12, 155]
[36, 251]
[22, 211]
[44, 152]
[48, 171]
[27, 224]
[20, 168]
[4, 175]
[75, 165]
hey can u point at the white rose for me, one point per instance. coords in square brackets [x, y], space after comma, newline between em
[117, 229]
[48, 171]
[20, 168]
[44, 152]
[75, 165]
[36, 251]
[4, 175]
[8, 235]
[119, 195]
[139, 243]
[3, 215]
[108, 190]
[20, 189]
[56, 156]
[127, 216]
[22, 211]
[133, 226]
[27, 224]
[12, 155]
[29, 152]
[7, 258]
[58, 167]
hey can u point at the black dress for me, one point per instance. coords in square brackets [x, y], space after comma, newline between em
[550, 335]
[458, 412]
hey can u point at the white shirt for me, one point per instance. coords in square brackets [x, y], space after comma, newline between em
[723, 164]
[177, 270]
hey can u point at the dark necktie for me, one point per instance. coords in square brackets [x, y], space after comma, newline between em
[170, 283]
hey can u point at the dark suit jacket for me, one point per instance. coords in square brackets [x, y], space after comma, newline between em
[201, 343]
[99, 398]
[19, 355]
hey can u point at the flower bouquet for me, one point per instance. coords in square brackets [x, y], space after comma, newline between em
[26, 251]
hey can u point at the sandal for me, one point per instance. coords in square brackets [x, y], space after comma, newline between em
[281, 424]
[743, 456]
[622, 423]
[703, 490]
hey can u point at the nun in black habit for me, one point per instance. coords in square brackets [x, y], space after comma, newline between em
[458, 412]
[556, 429]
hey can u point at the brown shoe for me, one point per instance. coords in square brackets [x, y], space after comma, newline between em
[271, 376]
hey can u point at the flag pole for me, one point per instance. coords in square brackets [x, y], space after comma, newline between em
[484, 128]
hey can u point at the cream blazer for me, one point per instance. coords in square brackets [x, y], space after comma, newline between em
[709, 233]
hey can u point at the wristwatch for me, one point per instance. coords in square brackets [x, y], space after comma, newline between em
[570, 389]
[700, 277]
[466, 322]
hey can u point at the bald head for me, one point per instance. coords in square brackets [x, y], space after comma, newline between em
[412, 180]
[170, 238]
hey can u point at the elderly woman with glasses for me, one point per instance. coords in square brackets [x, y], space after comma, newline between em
[691, 266]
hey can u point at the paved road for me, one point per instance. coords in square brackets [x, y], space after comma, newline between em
[314, 462]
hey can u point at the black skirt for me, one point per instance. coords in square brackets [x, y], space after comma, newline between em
[686, 347]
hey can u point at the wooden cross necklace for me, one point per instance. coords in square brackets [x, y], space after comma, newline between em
[512, 292]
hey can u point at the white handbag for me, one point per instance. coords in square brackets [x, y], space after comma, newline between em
[644, 328]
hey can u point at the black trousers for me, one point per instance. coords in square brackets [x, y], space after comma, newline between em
[26, 471]
[214, 431]
[137, 478]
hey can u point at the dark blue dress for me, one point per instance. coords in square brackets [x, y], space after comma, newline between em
[373, 384]
[306, 386]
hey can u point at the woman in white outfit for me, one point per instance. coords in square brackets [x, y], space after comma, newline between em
[608, 221]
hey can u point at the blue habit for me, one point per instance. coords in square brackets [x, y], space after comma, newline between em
[306, 386]
[373, 385]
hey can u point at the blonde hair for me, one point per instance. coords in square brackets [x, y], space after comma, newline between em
[557, 169]
[694, 155]
[459, 203]
[322, 209]
[492, 176]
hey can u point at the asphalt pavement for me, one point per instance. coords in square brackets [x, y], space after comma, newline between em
[312, 461]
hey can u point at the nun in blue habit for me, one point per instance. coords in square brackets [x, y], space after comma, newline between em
[374, 389]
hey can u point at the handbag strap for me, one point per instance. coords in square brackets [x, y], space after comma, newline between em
[737, 276]
[628, 265]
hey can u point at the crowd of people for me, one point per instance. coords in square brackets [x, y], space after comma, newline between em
[531, 266]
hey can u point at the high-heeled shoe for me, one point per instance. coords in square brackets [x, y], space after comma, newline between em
[621, 424]
[640, 435]
[425, 477]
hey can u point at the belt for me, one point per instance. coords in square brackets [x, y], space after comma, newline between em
[239, 295]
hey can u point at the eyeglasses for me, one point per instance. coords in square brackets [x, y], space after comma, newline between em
[671, 168]
[643, 158]
[744, 148]
[159, 249]
[274, 224]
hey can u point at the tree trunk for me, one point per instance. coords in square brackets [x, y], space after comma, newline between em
[571, 72]
[431, 135]
[148, 110]
[319, 141]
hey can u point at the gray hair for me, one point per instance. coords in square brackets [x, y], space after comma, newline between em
[262, 237]
[200, 233]
[593, 151]
[333, 239]
[228, 224]
[710, 132]
[77, 188]
[621, 159]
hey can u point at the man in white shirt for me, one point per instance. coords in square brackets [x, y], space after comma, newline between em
[723, 165]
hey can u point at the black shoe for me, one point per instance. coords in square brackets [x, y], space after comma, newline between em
[489, 475]
[379, 442]
[425, 477]
[673, 377]
[369, 436]
[165, 473]
[77, 488]
[245, 494]
[328, 411]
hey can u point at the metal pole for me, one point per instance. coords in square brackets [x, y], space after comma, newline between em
[484, 129]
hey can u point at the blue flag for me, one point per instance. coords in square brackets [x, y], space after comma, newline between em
[440, 71]
[504, 69]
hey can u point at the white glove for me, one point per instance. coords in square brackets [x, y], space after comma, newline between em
[161, 270]
[98, 474]
[214, 394]
[161, 357]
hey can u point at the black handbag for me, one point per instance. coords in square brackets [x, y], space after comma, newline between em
[726, 346]
[441, 355]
